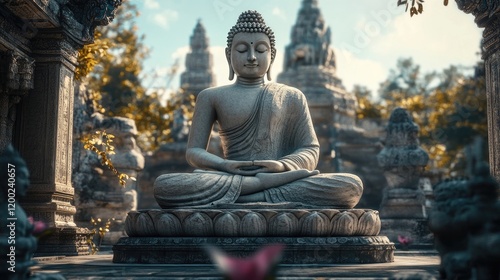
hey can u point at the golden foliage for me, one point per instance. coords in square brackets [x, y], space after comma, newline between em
[98, 231]
[90, 55]
[101, 143]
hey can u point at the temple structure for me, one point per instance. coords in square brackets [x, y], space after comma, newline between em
[198, 75]
[310, 66]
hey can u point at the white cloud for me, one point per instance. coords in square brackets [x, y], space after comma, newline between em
[164, 18]
[441, 35]
[151, 4]
[219, 65]
[354, 70]
[279, 13]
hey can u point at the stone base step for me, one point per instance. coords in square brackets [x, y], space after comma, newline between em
[298, 250]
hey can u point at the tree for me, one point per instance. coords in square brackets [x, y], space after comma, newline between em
[457, 117]
[367, 108]
[112, 66]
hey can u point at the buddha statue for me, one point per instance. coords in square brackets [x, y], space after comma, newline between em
[269, 144]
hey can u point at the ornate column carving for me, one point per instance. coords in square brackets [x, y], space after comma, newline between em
[46, 130]
[44, 125]
[487, 15]
[16, 78]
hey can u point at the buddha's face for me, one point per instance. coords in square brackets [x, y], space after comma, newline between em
[250, 55]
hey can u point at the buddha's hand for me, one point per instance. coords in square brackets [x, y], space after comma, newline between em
[246, 168]
[269, 166]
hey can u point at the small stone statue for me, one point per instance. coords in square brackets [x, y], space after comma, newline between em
[269, 143]
[403, 161]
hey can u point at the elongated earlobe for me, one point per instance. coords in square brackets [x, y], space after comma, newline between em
[228, 57]
[269, 73]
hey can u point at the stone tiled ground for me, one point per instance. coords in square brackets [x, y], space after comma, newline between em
[100, 266]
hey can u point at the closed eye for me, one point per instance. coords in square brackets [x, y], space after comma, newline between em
[261, 48]
[241, 48]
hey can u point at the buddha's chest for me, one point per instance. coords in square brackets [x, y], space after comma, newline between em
[236, 109]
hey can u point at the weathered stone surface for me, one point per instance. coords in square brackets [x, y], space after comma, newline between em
[298, 250]
[252, 222]
[403, 162]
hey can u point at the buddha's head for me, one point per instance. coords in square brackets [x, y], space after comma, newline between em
[250, 47]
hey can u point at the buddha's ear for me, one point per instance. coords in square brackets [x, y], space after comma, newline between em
[270, 66]
[231, 70]
[269, 72]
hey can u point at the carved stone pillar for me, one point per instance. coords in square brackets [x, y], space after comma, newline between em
[51, 32]
[45, 139]
[492, 64]
[487, 15]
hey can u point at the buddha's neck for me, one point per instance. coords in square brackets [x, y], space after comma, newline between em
[250, 82]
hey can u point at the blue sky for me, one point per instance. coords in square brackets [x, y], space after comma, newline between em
[368, 36]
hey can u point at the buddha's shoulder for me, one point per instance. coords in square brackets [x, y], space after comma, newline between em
[214, 92]
[288, 91]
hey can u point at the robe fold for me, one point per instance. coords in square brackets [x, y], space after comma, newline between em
[279, 128]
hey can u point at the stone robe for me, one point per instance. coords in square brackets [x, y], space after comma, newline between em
[280, 128]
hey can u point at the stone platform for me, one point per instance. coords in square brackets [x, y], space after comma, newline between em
[100, 266]
[298, 250]
[310, 236]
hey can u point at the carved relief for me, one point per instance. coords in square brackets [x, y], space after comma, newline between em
[16, 78]
[63, 172]
[257, 223]
[81, 17]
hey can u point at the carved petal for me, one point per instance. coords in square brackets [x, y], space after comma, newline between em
[168, 225]
[344, 224]
[315, 224]
[369, 224]
[284, 224]
[226, 224]
[130, 223]
[198, 224]
[144, 225]
[253, 224]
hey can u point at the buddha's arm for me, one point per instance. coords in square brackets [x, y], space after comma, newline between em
[305, 154]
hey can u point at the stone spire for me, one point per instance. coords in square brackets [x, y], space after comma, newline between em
[198, 75]
[310, 39]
